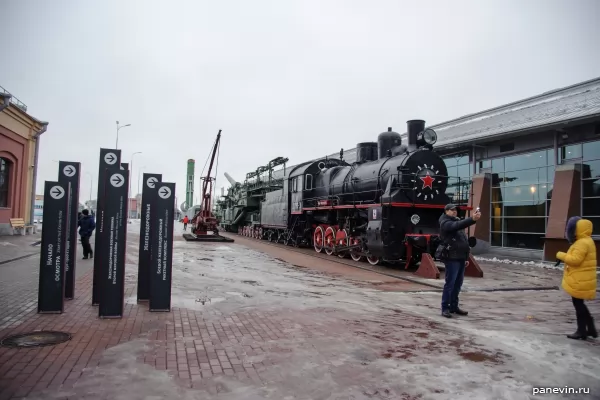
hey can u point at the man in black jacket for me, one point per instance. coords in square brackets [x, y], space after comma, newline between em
[453, 236]
[86, 227]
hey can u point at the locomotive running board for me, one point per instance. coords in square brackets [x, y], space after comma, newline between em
[190, 237]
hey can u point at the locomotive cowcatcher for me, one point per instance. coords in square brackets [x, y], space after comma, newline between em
[383, 207]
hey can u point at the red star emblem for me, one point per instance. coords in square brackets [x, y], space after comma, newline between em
[427, 181]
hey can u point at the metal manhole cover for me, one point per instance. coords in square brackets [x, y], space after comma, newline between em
[35, 339]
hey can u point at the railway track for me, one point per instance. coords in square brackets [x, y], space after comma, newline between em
[400, 275]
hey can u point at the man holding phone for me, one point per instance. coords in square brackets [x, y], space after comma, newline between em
[454, 238]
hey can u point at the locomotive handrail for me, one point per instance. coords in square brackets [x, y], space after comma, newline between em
[461, 195]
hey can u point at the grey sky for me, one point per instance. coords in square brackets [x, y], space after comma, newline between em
[281, 78]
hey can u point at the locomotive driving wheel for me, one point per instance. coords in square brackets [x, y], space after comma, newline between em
[318, 238]
[342, 239]
[329, 240]
[373, 260]
[355, 254]
[270, 235]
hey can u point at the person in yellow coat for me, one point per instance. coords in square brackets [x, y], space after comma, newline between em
[579, 278]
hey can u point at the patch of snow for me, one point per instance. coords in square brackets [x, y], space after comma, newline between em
[515, 262]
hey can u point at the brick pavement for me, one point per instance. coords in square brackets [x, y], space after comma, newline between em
[347, 342]
[187, 345]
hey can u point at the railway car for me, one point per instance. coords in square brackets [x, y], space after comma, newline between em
[383, 207]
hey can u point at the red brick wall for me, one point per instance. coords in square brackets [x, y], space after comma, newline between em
[14, 148]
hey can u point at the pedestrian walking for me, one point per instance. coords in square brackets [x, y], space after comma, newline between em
[579, 277]
[185, 222]
[86, 226]
[454, 252]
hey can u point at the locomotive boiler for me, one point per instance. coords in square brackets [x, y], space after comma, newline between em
[384, 206]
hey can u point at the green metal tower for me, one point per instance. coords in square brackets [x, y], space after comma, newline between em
[189, 192]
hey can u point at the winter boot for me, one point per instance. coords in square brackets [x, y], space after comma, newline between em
[458, 311]
[578, 336]
[591, 329]
[446, 313]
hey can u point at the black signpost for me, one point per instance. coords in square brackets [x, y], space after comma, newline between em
[162, 223]
[54, 242]
[112, 271]
[109, 158]
[68, 173]
[148, 193]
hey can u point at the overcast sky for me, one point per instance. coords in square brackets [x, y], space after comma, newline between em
[297, 79]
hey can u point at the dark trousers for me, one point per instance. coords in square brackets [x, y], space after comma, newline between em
[87, 247]
[455, 274]
[584, 318]
[184, 227]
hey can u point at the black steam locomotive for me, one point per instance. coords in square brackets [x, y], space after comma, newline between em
[383, 207]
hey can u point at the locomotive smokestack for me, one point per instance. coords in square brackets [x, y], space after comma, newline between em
[414, 126]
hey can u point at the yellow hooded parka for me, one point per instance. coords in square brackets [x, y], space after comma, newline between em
[579, 278]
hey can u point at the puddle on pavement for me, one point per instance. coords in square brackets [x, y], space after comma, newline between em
[238, 294]
[253, 283]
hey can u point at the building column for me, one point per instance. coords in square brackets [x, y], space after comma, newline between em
[565, 203]
[481, 197]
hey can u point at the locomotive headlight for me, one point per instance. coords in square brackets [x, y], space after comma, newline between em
[427, 137]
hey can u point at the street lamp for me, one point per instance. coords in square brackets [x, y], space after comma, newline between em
[91, 180]
[119, 127]
[131, 169]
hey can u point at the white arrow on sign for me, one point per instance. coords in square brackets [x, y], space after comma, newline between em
[151, 182]
[110, 158]
[164, 192]
[117, 180]
[57, 192]
[69, 171]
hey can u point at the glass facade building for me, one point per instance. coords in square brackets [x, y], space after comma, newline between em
[587, 154]
[459, 178]
[521, 190]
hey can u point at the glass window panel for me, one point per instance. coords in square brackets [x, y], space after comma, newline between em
[496, 194]
[497, 178]
[591, 207]
[591, 150]
[496, 210]
[524, 177]
[545, 190]
[570, 152]
[523, 194]
[591, 188]
[498, 165]
[525, 161]
[591, 169]
[550, 156]
[464, 171]
[483, 164]
[496, 224]
[452, 172]
[596, 224]
[550, 175]
[524, 240]
[462, 159]
[496, 239]
[527, 225]
[530, 209]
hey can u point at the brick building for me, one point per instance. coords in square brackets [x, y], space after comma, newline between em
[19, 146]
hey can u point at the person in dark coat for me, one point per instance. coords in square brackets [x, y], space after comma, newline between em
[456, 256]
[86, 226]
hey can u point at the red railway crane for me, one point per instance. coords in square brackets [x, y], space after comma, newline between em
[205, 221]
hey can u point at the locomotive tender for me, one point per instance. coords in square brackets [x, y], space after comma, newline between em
[383, 207]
